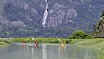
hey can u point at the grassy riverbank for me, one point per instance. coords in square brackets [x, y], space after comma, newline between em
[68, 41]
[97, 44]
[4, 42]
[41, 40]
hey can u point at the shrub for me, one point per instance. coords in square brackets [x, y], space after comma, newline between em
[80, 34]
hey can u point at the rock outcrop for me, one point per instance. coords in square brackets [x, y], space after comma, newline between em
[100, 28]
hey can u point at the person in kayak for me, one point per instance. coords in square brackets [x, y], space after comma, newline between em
[63, 43]
[24, 43]
[36, 44]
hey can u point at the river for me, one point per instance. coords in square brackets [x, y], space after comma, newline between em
[46, 51]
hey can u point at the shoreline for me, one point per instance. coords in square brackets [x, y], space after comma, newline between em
[3, 44]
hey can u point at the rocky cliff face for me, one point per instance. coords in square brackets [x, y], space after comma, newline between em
[48, 18]
[100, 28]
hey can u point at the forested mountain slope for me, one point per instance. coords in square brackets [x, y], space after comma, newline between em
[48, 18]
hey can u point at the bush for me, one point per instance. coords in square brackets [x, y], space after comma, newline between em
[80, 34]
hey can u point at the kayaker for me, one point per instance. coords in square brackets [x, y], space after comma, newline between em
[36, 44]
[24, 43]
[63, 43]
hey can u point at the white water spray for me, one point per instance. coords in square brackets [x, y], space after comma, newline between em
[45, 14]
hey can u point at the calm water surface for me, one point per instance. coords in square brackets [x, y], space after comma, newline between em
[46, 51]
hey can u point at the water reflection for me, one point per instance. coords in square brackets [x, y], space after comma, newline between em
[63, 52]
[44, 52]
[33, 53]
[82, 53]
[47, 52]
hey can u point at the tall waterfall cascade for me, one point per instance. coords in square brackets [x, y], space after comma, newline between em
[45, 14]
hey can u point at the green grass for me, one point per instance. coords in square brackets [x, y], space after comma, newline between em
[4, 42]
[97, 44]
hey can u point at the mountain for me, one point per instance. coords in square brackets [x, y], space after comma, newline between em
[48, 18]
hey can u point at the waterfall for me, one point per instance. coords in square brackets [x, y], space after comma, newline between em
[45, 14]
